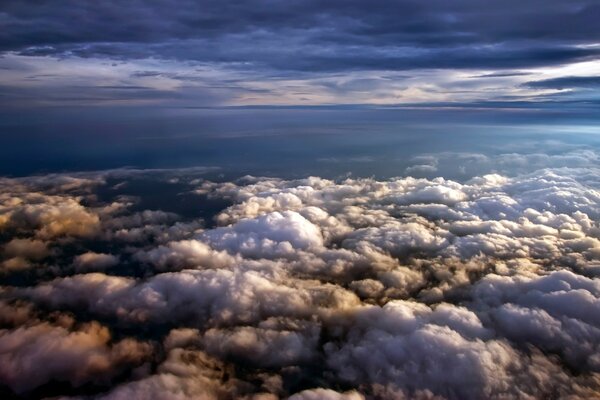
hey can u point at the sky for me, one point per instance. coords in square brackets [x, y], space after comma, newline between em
[155, 84]
[304, 200]
[214, 53]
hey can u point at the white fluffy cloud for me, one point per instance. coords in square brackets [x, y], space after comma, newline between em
[557, 312]
[272, 234]
[311, 288]
[410, 348]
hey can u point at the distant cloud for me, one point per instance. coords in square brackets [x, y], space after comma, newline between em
[305, 53]
[567, 82]
[505, 74]
[323, 33]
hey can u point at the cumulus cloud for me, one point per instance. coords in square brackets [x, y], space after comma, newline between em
[555, 312]
[263, 347]
[35, 206]
[310, 288]
[27, 248]
[19, 253]
[183, 375]
[410, 348]
[186, 253]
[276, 233]
[94, 261]
[31, 356]
[326, 394]
[216, 296]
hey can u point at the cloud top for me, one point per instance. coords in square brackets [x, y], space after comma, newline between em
[308, 288]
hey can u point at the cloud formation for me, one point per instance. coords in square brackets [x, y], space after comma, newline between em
[429, 34]
[309, 288]
[341, 52]
[34, 355]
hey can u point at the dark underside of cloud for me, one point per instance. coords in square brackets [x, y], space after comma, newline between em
[578, 82]
[308, 289]
[310, 35]
[219, 53]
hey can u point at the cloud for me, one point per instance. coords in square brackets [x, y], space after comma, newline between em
[49, 215]
[506, 163]
[94, 261]
[567, 82]
[278, 233]
[308, 53]
[27, 248]
[217, 296]
[312, 288]
[184, 374]
[20, 253]
[326, 394]
[186, 253]
[450, 352]
[31, 356]
[555, 312]
[328, 31]
[420, 169]
[263, 347]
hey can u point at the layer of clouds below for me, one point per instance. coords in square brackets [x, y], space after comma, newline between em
[311, 288]
[508, 163]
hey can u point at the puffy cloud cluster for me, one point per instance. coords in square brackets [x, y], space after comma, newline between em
[32, 355]
[555, 312]
[311, 288]
[94, 261]
[529, 158]
[48, 215]
[409, 348]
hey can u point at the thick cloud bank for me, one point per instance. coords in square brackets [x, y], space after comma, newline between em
[308, 289]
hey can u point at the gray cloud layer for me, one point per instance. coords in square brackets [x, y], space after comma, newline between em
[214, 53]
[328, 36]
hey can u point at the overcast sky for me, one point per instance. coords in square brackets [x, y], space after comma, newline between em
[215, 53]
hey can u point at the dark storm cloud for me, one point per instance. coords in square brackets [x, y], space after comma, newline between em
[310, 35]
